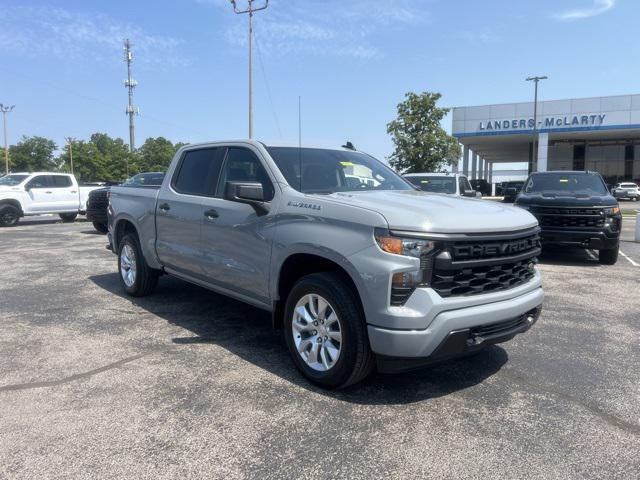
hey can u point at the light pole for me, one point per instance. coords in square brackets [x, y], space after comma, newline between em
[535, 116]
[70, 141]
[250, 9]
[5, 109]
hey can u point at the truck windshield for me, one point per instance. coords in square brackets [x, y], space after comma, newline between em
[11, 180]
[434, 183]
[329, 171]
[566, 182]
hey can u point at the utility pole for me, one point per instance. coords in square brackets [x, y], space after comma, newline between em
[70, 141]
[250, 9]
[130, 84]
[535, 117]
[6, 109]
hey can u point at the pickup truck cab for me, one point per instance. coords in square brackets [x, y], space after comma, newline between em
[574, 209]
[359, 269]
[24, 194]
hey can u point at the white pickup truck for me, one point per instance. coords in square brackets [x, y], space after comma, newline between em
[24, 194]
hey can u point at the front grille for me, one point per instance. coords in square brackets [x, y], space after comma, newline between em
[98, 200]
[471, 267]
[569, 218]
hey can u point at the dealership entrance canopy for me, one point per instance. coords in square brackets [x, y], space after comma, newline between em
[600, 133]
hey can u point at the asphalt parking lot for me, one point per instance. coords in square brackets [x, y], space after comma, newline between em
[187, 383]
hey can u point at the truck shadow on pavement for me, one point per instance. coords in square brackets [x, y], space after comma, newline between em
[246, 332]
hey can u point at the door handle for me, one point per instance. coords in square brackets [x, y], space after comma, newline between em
[74, 191]
[212, 213]
[48, 192]
[164, 207]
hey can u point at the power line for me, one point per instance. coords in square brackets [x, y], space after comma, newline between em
[130, 84]
[6, 109]
[266, 82]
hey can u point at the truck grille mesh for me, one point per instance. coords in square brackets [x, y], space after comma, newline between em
[473, 267]
[569, 218]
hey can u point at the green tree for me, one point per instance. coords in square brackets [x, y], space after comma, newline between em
[101, 158]
[33, 154]
[155, 154]
[421, 144]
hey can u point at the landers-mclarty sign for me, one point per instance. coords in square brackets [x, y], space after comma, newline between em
[548, 122]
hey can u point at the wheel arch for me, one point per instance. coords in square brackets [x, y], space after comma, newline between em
[299, 264]
[13, 202]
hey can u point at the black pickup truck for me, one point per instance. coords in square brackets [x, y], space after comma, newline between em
[574, 209]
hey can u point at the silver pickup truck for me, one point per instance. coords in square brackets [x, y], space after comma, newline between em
[358, 268]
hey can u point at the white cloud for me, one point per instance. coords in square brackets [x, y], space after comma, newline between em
[327, 27]
[598, 7]
[39, 31]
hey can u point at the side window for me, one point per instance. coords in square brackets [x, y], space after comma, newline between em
[41, 181]
[198, 172]
[60, 181]
[242, 165]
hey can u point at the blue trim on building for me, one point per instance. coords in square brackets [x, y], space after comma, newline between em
[546, 130]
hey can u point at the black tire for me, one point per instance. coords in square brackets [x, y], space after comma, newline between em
[100, 227]
[608, 257]
[146, 278]
[356, 361]
[9, 216]
[68, 217]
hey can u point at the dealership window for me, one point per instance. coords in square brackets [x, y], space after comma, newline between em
[628, 161]
[579, 157]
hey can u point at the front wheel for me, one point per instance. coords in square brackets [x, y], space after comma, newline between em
[608, 257]
[9, 215]
[68, 217]
[136, 276]
[325, 331]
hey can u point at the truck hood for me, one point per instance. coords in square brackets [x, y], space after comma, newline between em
[439, 213]
[564, 199]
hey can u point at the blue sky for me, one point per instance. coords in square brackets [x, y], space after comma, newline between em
[351, 61]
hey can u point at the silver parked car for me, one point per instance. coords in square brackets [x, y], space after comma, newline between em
[449, 183]
[626, 191]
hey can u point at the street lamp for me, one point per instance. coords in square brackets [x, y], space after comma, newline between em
[5, 109]
[250, 9]
[535, 115]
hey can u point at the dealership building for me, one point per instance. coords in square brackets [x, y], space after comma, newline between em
[600, 134]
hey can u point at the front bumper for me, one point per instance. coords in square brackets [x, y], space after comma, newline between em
[598, 240]
[444, 336]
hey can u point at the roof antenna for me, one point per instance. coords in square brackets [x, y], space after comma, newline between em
[349, 145]
[300, 139]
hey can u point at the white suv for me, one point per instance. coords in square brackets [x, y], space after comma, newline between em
[625, 190]
[449, 183]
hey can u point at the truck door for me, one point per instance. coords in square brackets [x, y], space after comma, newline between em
[65, 195]
[179, 209]
[40, 192]
[236, 239]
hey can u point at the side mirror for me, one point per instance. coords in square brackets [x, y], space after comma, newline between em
[469, 193]
[251, 193]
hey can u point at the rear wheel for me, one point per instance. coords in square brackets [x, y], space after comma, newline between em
[68, 217]
[138, 279]
[608, 257]
[9, 215]
[325, 331]
[100, 227]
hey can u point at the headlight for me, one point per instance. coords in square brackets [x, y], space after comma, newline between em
[410, 247]
[612, 211]
[404, 283]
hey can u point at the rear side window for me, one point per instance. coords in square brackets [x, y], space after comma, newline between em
[198, 172]
[60, 181]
